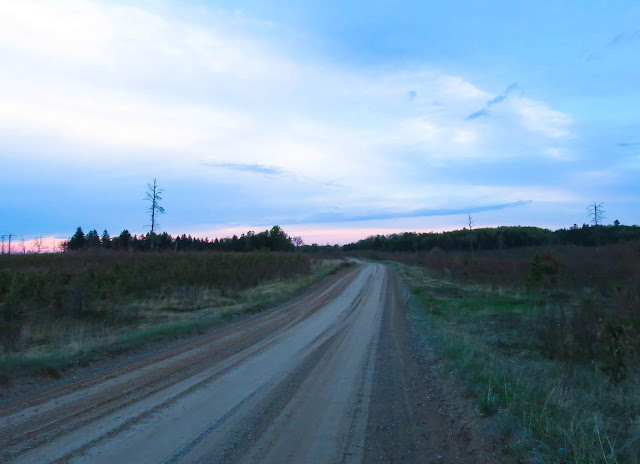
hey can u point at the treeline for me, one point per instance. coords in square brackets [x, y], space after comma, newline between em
[498, 238]
[274, 239]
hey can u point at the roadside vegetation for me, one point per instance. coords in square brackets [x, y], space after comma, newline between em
[57, 310]
[545, 339]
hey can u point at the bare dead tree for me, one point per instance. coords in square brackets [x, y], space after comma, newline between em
[596, 213]
[153, 196]
[470, 222]
[61, 247]
[297, 241]
[38, 245]
[24, 248]
[10, 235]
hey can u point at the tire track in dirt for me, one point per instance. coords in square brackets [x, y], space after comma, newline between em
[255, 421]
[331, 377]
[327, 289]
[48, 416]
[252, 426]
[254, 350]
[413, 418]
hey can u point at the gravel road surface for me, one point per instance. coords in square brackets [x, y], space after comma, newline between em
[329, 377]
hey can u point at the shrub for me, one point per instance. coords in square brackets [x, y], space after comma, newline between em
[80, 286]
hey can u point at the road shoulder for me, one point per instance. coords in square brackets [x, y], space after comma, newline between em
[415, 416]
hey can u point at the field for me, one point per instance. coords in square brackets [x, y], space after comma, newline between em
[546, 341]
[58, 310]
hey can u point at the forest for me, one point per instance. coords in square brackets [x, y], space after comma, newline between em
[274, 239]
[497, 238]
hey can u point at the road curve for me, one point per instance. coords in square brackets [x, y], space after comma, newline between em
[290, 385]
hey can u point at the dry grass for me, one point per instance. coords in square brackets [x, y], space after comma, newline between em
[493, 340]
[47, 341]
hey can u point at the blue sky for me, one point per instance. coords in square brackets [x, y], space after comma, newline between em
[333, 119]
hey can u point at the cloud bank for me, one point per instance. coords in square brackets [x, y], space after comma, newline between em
[213, 102]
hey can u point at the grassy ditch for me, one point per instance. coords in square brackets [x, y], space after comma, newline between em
[558, 397]
[68, 314]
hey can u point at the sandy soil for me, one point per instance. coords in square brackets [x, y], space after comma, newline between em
[332, 376]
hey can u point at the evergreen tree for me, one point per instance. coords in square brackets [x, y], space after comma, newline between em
[92, 240]
[124, 240]
[77, 241]
[106, 239]
[165, 241]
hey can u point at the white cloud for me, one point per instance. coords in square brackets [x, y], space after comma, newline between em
[73, 30]
[559, 153]
[464, 137]
[113, 119]
[538, 117]
[184, 91]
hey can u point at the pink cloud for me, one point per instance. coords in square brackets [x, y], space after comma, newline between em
[47, 245]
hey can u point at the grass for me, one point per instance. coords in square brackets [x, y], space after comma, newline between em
[48, 345]
[493, 341]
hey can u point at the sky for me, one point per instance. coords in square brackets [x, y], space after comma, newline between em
[335, 120]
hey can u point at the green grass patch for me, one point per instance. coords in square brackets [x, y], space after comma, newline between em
[51, 362]
[494, 342]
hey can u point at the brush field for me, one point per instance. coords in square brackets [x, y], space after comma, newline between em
[58, 310]
[547, 341]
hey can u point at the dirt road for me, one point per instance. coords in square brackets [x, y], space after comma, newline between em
[329, 377]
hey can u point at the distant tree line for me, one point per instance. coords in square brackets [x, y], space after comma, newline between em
[274, 239]
[498, 238]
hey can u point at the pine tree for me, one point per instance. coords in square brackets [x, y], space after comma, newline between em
[106, 239]
[92, 240]
[77, 241]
